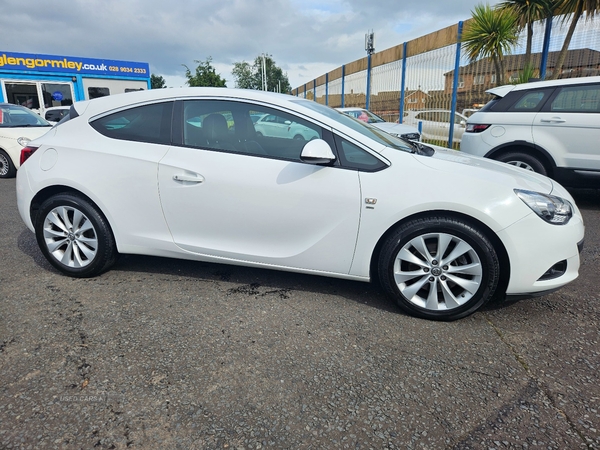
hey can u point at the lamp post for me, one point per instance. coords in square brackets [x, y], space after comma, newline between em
[370, 49]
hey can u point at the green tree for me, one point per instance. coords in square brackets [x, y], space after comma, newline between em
[491, 33]
[573, 9]
[157, 82]
[250, 76]
[528, 12]
[204, 75]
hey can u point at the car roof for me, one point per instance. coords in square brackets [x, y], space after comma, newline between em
[501, 91]
[129, 99]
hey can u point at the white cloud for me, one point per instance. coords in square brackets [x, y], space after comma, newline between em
[305, 37]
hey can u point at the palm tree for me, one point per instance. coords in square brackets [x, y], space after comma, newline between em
[528, 11]
[491, 33]
[573, 9]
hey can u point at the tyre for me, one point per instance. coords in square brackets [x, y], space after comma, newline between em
[524, 161]
[439, 268]
[74, 236]
[299, 137]
[7, 168]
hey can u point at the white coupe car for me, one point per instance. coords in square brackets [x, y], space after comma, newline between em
[442, 231]
[18, 125]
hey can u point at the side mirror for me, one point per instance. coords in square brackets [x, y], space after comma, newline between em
[317, 151]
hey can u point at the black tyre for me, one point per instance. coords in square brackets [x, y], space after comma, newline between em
[299, 137]
[7, 168]
[439, 268]
[74, 236]
[524, 161]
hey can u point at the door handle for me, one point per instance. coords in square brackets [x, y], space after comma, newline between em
[553, 120]
[189, 178]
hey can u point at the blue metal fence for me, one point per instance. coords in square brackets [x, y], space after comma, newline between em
[419, 75]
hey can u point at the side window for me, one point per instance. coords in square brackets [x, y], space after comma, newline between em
[443, 117]
[209, 124]
[245, 128]
[577, 99]
[97, 92]
[354, 157]
[149, 123]
[529, 102]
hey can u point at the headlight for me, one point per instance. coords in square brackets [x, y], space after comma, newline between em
[552, 209]
[23, 141]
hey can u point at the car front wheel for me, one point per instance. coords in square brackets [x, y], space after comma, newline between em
[7, 168]
[439, 268]
[74, 236]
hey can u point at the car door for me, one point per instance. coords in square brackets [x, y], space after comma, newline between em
[568, 126]
[257, 206]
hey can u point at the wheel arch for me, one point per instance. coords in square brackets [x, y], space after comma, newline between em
[528, 148]
[494, 239]
[50, 191]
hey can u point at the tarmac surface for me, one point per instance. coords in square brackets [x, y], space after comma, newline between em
[161, 353]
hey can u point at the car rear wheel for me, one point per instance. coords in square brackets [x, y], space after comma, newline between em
[439, 268]
[74, 236]
[7, 168]
[524, 161]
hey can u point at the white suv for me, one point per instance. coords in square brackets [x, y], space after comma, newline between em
[550, 127]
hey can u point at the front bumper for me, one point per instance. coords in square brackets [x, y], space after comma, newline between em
[534, 247]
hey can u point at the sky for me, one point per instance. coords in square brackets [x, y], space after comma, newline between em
[306, 38]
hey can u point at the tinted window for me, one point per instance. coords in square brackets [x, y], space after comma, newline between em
[529, 101]
[354, 157]
[577, 99]
[96, 92]
[244, 128]
[56, 114]
[150, 123]
[520, 101]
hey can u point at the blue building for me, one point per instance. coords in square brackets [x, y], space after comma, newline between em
[43, 81]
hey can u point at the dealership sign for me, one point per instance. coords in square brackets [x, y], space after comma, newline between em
[69, 64]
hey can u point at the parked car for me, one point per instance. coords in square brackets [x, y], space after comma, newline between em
[56, 113]
[436, 124]
[354, 202]
[18, 125]
[401, 130]
[550, 127]
[272, 125]
[468, 112]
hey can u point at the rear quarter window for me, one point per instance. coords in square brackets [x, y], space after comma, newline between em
[149, 123]
[520, 101]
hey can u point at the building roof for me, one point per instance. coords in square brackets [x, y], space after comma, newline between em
[579, 58]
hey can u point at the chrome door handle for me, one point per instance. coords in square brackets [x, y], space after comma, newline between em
[553, 120]
[189, 178]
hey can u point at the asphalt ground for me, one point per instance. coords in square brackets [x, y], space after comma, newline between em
[161, 353]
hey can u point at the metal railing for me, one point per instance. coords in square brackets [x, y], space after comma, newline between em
[414, 82]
